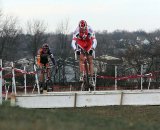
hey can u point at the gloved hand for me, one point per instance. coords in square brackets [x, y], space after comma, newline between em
[91, 51]
[77, 52]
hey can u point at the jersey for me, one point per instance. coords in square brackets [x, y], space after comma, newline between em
[85, 40]
[42, 58]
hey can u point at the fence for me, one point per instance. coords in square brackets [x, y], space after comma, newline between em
[116, 77]
[13, 75]
[119, 78]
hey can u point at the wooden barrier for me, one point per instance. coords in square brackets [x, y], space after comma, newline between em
[89, 99]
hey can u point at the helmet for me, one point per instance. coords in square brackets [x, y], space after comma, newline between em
[45, 46]
[83, 25]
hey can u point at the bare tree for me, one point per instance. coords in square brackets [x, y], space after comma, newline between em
[62, 38]
[36, 31]
[61, 45]
[9, 32]
[105, 43]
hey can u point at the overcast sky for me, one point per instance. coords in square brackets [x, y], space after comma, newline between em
[130, 15]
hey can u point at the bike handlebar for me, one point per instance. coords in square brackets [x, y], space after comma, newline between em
[84, 52]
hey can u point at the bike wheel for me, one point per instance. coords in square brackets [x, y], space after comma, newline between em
[86, 79]
[49, 85]
[41, 88]
[45, 86]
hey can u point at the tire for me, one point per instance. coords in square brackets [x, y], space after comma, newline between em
[86, 85]
[49, 85]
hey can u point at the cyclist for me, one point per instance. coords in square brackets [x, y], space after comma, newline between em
[84, 39]
[43, 56]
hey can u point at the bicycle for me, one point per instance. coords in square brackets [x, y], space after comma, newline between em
[46, 82]
[87, 82]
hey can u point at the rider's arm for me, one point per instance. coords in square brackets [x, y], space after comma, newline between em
[73, 44]
[92, 35]
[94, 44]
[38, 57]
[74, 39]
[52, 58]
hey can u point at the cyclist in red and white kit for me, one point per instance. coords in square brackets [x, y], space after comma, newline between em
[84, 39]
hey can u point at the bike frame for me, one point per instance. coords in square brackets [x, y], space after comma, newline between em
[85, 84]
[44, 72]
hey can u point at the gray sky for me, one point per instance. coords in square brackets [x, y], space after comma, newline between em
[130, 15]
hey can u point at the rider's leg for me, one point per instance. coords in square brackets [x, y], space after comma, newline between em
[41, 78]
[90, 60]
[48, 85]
[81, 63]
[91, 70]
[48, 72]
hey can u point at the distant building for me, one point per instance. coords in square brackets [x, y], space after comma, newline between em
[143, 40]
[109, 59]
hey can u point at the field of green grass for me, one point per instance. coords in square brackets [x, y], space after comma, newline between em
[93, 118]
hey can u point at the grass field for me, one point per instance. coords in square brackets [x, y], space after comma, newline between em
[94, 118]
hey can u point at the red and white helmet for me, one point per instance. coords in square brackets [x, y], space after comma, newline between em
[83, 25]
